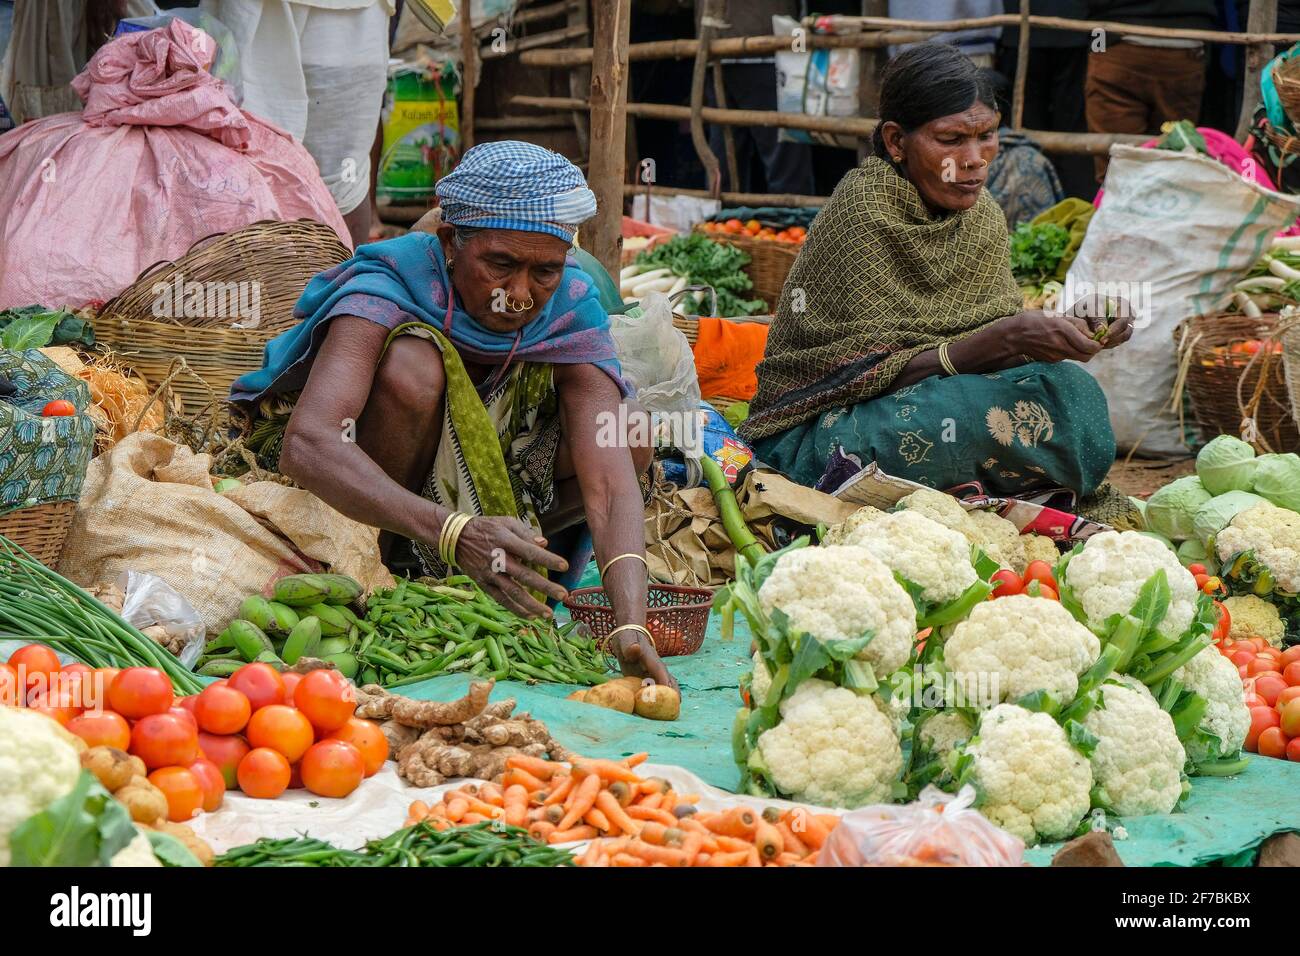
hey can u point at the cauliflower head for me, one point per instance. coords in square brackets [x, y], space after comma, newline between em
[1033, 783]
[839, 592]
[935, 558]
[1039, 548]
[1273, 533]
[760, 682]
[139, 852]
[996, 536]
[943, 731]
[39, 763]
[1138, 761]
[1108, 573]
[836, 533]
[1252, 616]
[1216, 678]
[1017, 645]
[832, 747]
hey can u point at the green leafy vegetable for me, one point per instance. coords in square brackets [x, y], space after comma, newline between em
[705, 262]
[171, 851]
[1036, 250]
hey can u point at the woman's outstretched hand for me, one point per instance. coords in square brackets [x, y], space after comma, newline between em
[637, 657]
[1109, 320]
[497, 552]
[1050, 336]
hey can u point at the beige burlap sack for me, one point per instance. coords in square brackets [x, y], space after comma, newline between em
[148, 505]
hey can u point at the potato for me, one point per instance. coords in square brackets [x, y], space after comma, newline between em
[145, 802]
[658, 702]
[615, 694]
[112, 767]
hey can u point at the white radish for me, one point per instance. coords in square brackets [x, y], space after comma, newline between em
[1280, 268]
[1261, 283]
[1286, 242]
[628, 272]
[1247, 305]
[653, 285]
[678, 286]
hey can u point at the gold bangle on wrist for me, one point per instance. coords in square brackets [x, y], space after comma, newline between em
[945, 361]
[449, 536]
[630, 554]
[636, 627]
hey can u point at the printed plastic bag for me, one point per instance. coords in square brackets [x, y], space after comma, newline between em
[225, 62]
[939, 829]
[821, 82]
[150, 602]
[658, 362]
[719, 442]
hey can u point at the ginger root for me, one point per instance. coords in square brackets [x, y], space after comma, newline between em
[422, 714]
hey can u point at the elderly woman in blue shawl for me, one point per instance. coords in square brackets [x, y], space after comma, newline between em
[449, 389]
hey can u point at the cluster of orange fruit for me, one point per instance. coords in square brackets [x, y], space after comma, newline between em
[756, 230]
[1239, 353]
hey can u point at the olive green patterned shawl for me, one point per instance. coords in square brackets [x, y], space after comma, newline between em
[878, 281]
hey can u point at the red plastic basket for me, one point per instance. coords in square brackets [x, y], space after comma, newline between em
[676, 616]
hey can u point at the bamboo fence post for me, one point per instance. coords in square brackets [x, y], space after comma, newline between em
[870, 60]
[1262, 19]
[710, 15]
[607, 169]
[580, 82]
[468, 75]
[1022, 69]
[728, 136]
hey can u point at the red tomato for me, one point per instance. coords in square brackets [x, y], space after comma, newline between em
[58, 408]
[1272, 743]
[1241, 658]
[290, 685]
[140, 691]
[1213, 585]
[1291, 674]
[182, 789]
[1242, 646]
[77, 680]
[1260, 665]
[1251, 700]
[164, 740]
[8, 686]
[366, 736]
[1041, 572]
[326, 698]
[1200, 580]
[226, 752]
[1224, 625]
[1261, 718]
[99, 684]
[59, 705]
[1261, 645]
[1006, 583]
[1242, 671]
[185, 716]
[1291, 719]
[1291, 655]
[281, 728]
[102, 729]
[212, 782]
[1197, 569]
[332, 768]
[222, 710]
[1293, 749]
[34, 663]
[260, 683]
[1268, 686]
[1284, 698]
[263, 773]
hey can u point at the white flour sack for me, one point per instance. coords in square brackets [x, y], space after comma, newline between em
[1172, 235]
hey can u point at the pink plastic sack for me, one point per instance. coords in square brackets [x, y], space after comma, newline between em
[939, 829]
[159, 158]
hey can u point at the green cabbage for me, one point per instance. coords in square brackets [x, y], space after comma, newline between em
[1192, 551]
[1161, 538]
[1225, 464]
[1171, 509]
[1213, 516]
[1277, 478]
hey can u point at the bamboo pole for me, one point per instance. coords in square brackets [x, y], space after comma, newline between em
[580, 84]
[1262, 19]
[1022, 70]
[549, 38]
[1050, 140]
[468, 75]
[733, 199]
[870, 62]
[885, 32]
[709, 17]
[728, 136]
[606, 171]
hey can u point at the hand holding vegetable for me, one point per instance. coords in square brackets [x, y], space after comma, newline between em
[1110, 320]
[1050, 336]
[497, 552]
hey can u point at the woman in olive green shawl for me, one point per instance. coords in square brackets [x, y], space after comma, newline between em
[900, 335]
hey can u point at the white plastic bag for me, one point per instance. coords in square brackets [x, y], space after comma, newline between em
[817, 82]
[151, 602]
[658, 362]
[939, 829]
[1172, 235]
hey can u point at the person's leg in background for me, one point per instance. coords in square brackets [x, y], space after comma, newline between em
[1065, 103]
[1179, 85]
[788, 167]
[1115, 93]
[345, 69]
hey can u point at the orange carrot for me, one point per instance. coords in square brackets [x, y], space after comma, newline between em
[597, 820]
[753, 858]
[607, 770]
[473, 817]
[539, 768]
[732, 844]
[692, 845]
[491, 793]
[540, 830]
[523, 778]
[650, 801]
[589, 857]
[438, 810]
[829, 820]
[639, 812]
[623, 792]
[635, 759]
[609, 806]
[728, 859]
[669, 801]
[626, 859]
[767, 839]
[657, 854]
[737, 822]
[814, 832]
[419, 809]
[572, 835]
[485, 809]
[516, 805]
[688, 798]
[583, 798]
[457, 807]
[654, 785]
[788, 859]
[561, 791]
[790, 841]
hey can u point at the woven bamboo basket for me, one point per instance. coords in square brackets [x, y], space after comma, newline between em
[40, 530]
[1237, 392]
[275, 258]
[1286, 81]
[770, 263]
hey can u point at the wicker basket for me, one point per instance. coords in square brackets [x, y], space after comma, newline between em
[40, 530]
[279, 257]
[1286, 81]
[770, 262]
[677, 616]
[1223, 384]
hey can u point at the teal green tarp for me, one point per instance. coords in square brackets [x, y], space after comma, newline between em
[1223, 818]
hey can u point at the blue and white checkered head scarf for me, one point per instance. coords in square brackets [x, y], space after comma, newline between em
[514, 185]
